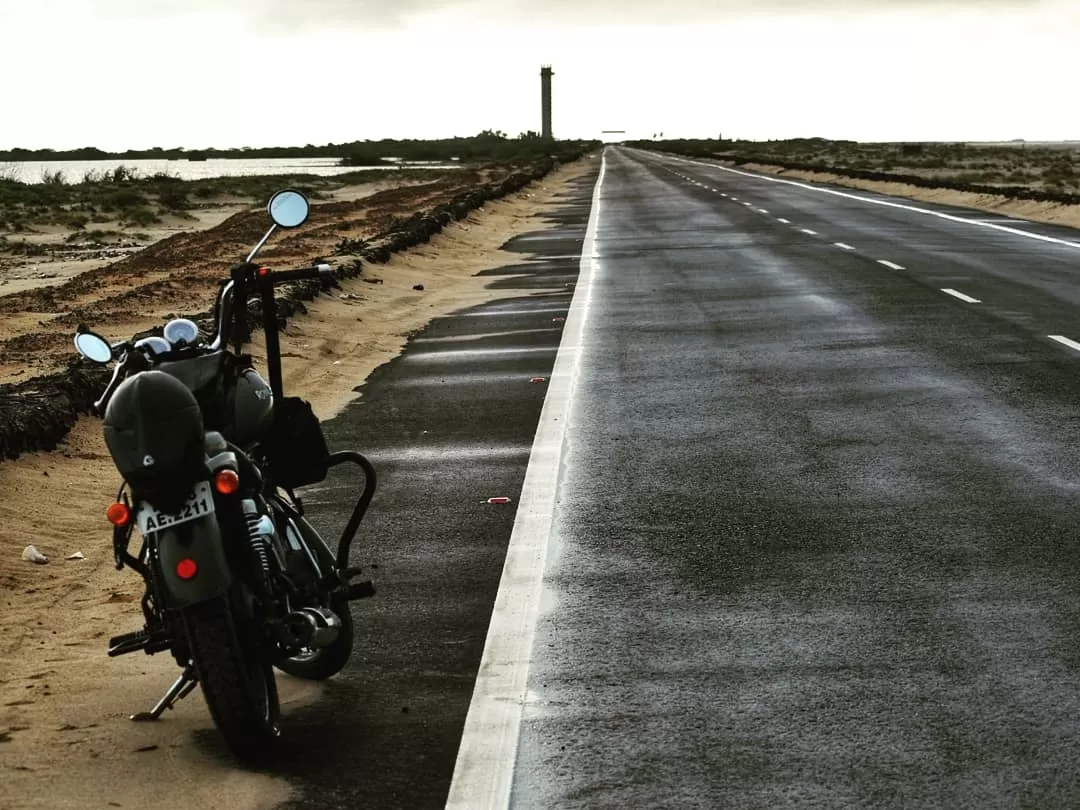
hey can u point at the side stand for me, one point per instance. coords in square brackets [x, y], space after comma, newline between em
[177, 692]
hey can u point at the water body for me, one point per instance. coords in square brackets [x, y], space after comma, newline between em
[74, 171]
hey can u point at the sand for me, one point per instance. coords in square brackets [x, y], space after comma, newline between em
[1050, 213]
[65, 740]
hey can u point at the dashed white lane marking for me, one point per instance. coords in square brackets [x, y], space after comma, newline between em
[763, 210]
[891, 265]
[484, 770]
[808, 232]
[889, 204]
[785, 221]
[843, 245]
[956, 294]
[1072, 344]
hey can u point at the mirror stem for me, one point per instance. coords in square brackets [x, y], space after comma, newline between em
[262, 242]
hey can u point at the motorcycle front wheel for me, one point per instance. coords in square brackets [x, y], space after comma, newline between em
[239, 689]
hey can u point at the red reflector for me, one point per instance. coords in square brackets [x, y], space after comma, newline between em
[264, 271]
[226, 482]
[118, 514]
[186, 568]
[498, 500]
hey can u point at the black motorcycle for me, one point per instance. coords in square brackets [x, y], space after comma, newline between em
[237, 580]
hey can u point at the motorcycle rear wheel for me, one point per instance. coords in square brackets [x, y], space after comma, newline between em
[239, 689]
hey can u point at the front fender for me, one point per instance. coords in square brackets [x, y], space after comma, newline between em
[199, 540]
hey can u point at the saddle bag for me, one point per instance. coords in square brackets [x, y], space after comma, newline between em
[295, 447]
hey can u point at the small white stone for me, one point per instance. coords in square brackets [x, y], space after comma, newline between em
[31, 554]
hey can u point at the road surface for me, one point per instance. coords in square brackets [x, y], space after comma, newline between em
[810, 537]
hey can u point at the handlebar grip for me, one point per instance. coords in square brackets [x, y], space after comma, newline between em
[304, 273]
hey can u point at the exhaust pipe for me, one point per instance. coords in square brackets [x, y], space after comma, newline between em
[314, 627]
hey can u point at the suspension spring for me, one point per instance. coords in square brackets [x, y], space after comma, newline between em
[257, 540]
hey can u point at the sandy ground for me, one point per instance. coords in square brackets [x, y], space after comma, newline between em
[65, 741]
[68, 257]
[1051, 213]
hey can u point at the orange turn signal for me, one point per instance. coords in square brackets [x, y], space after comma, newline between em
[226, 482]
[118, 514]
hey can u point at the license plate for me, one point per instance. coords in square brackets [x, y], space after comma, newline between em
[200, 503]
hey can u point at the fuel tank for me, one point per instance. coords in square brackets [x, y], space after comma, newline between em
[234, 400]
[252, 408]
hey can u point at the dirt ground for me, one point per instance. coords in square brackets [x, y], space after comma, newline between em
[65, 740]
[1051, 213]
[178, 274]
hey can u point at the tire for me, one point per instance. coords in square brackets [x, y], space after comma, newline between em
[320, 664]
[240, 690]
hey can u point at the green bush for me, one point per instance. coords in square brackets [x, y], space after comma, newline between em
[75, 222]
[174, 198]
[123, 200]
[140, 216]
[55, 178]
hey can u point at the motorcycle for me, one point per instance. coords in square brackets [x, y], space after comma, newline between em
[237, 581]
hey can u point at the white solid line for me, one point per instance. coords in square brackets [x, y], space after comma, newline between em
[890, 265]
[843, 245]
[808, 232]
[785, 221]
[484, 770]
[888, 204]
[965, 298]
[1072, 344]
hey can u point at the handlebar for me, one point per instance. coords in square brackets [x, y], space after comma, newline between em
[317, 271]
[243, 276]
[131, 360]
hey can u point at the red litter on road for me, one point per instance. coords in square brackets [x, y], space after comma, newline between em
[498, 500]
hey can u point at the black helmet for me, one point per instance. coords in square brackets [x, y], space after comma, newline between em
[154, 431]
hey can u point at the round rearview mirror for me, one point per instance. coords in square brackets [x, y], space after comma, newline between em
[93, 347]
[288, 209]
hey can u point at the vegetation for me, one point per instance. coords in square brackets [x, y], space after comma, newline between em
[1008, 167]
[122, 195]
[488, 145]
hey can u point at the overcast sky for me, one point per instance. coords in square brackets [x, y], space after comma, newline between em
[121, 74]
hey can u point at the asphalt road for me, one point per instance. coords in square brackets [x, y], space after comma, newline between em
[448, 425]
[814, 541]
